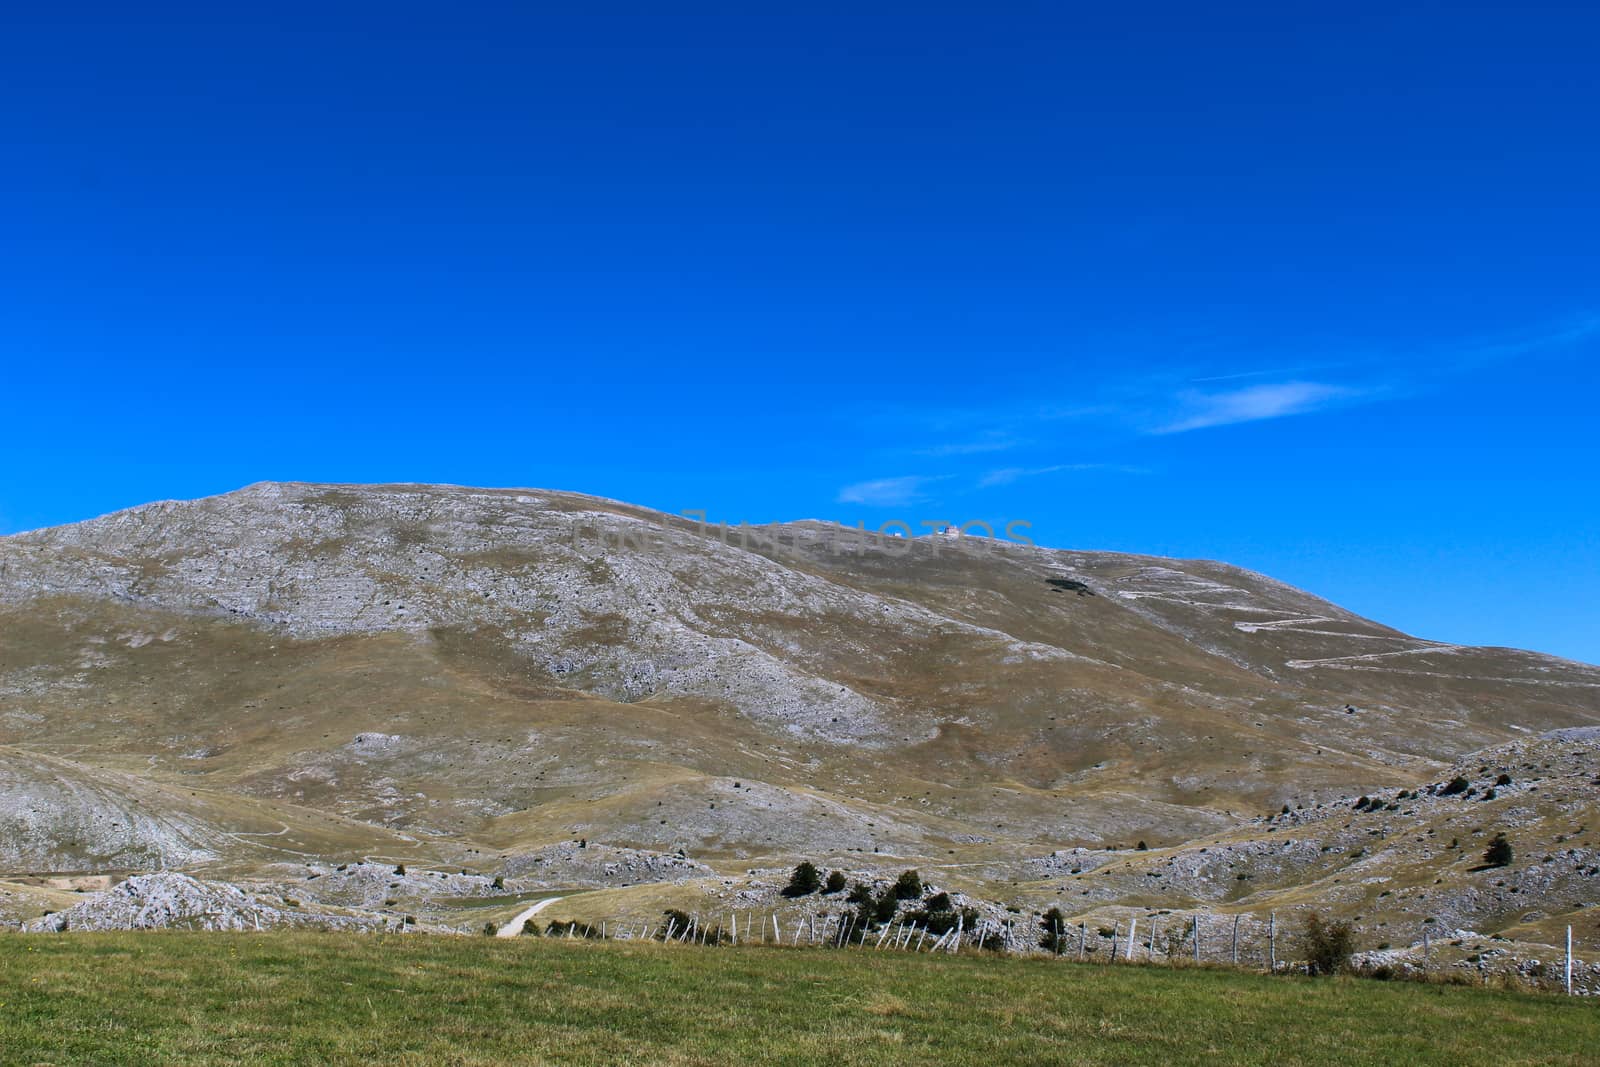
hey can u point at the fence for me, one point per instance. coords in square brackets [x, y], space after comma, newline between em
[1195, 938]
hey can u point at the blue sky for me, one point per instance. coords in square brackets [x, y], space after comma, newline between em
[1311, 289]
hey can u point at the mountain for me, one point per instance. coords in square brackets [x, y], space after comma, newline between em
[474, 679]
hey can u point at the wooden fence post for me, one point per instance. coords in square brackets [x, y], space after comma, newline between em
[1236, 940]
[1133, 926]
[1083, 939]
[1569, 961]
[1272, 941]
[1197, 937]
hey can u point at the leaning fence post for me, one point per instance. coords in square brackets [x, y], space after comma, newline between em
[1272, 941]
[1236, 940]
[1133, 926]
[1197, 937]
[1083, 939]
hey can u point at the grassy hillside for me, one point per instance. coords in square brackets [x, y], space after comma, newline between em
[301, 998]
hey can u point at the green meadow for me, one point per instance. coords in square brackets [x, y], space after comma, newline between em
[300, 998]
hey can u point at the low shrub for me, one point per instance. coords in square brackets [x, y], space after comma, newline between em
[1328, 946]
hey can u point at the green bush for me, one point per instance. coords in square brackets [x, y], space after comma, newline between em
[940, 916]
[1499, 853]
[675, 920]
[908, 886]
[804, 881]
[859, 894]
[835, 883]
[1054, 937]
[1456, 785]
[1327, 946]
[556, 928]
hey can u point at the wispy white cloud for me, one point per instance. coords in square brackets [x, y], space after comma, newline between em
[1204, 410]
[992, 443]
[1008, 475]
[886, 492]
[1233, 384]
[1552, 336]
[1279, 372]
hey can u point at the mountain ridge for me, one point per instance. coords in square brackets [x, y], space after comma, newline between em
[491, 673]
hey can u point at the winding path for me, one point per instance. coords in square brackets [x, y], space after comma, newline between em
[514, 927]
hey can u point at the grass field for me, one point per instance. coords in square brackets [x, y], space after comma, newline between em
[189, 998]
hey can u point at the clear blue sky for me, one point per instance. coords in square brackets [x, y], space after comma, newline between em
[1310, 288]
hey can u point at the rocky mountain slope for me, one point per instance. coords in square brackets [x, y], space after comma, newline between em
[462, 678]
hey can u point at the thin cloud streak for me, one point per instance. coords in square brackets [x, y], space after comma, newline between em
[1254, 404]
[1008, 475]
[971, 448]
[886, 492]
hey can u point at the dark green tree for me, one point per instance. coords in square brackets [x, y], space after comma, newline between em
[835, 883]
[1499, 853]
[908, 886]
[804, 881]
